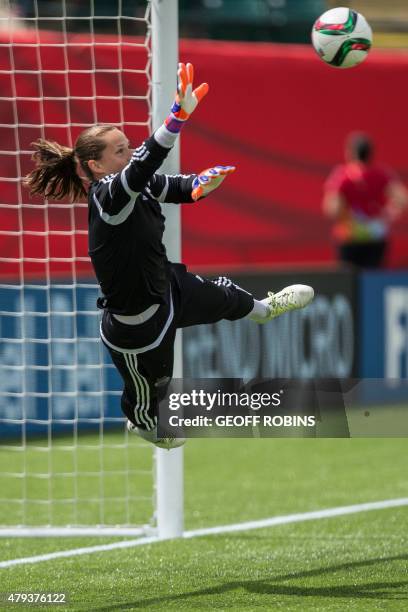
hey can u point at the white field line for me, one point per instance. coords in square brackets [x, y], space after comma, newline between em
[78, 551]
[269, 522]
[297, 518]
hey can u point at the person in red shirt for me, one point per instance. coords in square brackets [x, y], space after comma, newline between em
[362, 198]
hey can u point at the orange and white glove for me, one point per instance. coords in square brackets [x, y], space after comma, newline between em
[186, 99]
[209, 179]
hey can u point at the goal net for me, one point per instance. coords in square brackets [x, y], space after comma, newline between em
[67, 463]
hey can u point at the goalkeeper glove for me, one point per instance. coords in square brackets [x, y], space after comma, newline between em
[208, 180]
[186, 99]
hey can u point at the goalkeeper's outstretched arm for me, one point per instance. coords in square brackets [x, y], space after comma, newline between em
[187, 188]
[103, 151]
[150, 155]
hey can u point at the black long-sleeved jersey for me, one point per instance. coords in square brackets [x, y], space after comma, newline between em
[126, 228]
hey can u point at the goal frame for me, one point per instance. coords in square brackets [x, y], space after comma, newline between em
[168, 466]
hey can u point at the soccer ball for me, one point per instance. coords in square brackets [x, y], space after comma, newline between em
[342, 37]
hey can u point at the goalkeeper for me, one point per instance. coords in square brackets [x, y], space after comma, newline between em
[145, 298]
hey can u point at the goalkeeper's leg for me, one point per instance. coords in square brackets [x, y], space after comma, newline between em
[143, 356]
[208, 301]
[143, 391]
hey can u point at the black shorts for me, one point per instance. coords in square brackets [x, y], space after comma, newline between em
[143, 354]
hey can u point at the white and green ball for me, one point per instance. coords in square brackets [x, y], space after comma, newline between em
[342, 37]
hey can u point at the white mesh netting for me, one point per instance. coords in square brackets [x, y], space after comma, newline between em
[64, 456]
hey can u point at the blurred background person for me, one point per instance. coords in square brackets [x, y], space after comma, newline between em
[362, 198]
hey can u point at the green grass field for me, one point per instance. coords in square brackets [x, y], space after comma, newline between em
[355, 562]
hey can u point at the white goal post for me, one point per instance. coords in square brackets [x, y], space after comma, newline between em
[67, 465]
[169, 466]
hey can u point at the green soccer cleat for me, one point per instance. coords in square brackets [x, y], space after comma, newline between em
[289, 298]
[151, 436]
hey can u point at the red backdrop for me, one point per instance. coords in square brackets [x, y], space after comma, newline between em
[275, 111]
[281, 115]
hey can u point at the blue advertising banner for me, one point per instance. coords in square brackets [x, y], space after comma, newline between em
[56, 375]
[55, 371]
[383, 324]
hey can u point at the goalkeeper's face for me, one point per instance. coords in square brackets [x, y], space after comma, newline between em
[115, 156]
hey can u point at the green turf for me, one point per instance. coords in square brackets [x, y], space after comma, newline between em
[357, 562]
